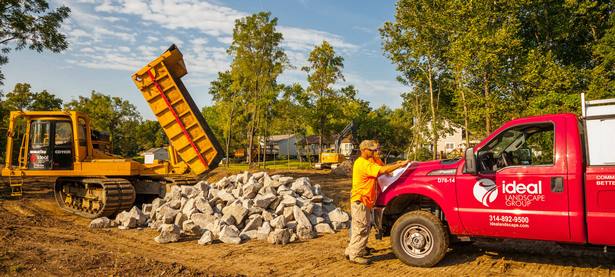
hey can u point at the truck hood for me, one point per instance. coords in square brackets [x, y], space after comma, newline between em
[420, 169]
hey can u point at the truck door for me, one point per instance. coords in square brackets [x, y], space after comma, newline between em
[520, 190]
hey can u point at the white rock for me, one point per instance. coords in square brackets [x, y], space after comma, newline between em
[337, 215]
[206, 238]
[256, 210]
[139, 216]
[188, 206]
[203, 206]
[301, 218]
[267, 181]
[253, 224]
[168, 214]
[250, 190]
[288, 201]
[267, 190]
[180, 218]
[175, 204]
[237, 211]
[202, 220]
[190, 228]
[267, 216]
[285, 180]
[249, 235]
[230, 234]
[125, 220]
[324, 228]
[259, 175]
[263, 231]
[168, 233]
[186, 190]
[203, 186]
[263, 201]
[318, 210]
[288, 214]
[236, 192]
[174, 194]
[278, 222]
[225, 196]
[303, 187]
[228, 219]
[101, 222]
[308, 208]
[279, 236]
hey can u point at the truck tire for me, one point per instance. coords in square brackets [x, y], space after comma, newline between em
[419, 239]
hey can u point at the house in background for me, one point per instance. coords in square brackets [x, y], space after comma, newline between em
[280, 145]
[157, 153]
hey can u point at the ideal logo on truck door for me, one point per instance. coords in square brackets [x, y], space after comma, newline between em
[519, 190]
[515, 194]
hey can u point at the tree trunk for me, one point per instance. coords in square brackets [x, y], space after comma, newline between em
[320, 134]
[487, 102]
[464, 103]
[434, 119]
[229, 134]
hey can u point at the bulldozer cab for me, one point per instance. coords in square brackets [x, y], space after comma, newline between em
[49, 141]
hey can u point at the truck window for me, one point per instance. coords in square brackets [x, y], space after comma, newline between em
[526, 145]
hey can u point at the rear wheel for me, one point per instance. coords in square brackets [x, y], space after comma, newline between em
[419, 239]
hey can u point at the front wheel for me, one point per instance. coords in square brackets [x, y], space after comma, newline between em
[419, 239]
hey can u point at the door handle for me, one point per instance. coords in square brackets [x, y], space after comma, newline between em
[557, 184]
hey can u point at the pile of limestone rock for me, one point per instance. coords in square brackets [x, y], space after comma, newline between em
[237, 208]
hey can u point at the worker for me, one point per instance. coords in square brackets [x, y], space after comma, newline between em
[365, 172]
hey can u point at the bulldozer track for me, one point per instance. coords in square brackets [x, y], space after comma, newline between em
[108, 196]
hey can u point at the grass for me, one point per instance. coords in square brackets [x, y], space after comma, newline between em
[276, 164]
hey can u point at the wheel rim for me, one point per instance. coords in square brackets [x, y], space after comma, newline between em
[417, 241]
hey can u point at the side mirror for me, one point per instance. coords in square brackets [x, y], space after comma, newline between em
[470, 166]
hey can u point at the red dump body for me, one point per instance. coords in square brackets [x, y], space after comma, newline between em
[538, 178]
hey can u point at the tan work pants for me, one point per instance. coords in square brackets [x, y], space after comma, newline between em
[360, 225]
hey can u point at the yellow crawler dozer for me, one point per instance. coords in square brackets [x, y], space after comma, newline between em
[93, 183]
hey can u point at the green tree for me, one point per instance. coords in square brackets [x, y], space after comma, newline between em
[149, 134]
[324, 71]
[229, 104]
[602, 83]
[30, 24]
[258, 59]
[415, 43]
[19, 98]
[114, 115]
[45, 101]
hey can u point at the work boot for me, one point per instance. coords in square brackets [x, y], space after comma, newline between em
[360, 260]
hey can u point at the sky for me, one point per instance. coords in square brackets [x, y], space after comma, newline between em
[112, 39]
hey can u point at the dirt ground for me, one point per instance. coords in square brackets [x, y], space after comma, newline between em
[36, 238]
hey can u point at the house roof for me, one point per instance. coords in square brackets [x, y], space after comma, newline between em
[276, 138]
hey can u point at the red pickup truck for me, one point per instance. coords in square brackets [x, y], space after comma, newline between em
[549, 178]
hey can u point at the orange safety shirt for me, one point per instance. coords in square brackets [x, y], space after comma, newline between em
[364, 181]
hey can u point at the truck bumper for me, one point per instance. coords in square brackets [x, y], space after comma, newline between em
[377, 222]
